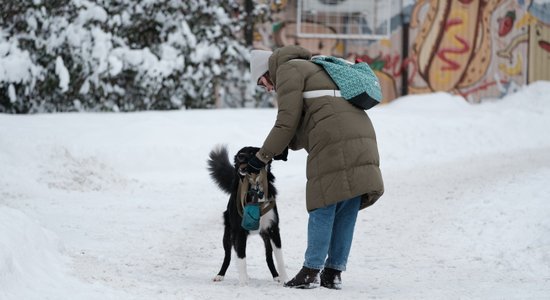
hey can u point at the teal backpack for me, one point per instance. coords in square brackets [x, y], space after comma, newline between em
[357, 82]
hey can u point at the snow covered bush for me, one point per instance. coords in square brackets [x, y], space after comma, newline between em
[122, 55]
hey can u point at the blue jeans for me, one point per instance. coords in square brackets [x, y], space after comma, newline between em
[330, 233]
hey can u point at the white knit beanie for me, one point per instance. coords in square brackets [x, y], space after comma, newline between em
[259, 63]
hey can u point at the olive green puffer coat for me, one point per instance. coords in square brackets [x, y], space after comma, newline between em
[343, 160]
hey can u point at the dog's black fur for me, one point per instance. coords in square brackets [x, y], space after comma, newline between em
[227, 177]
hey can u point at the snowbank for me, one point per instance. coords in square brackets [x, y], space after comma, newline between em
[32, 263]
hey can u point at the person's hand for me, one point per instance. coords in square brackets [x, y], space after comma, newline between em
[283, 156]
[254, 165]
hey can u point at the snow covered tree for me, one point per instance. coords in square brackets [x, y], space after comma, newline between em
[122, 55]
[26, 57]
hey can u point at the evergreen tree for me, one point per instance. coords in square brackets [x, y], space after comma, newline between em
[122, 55]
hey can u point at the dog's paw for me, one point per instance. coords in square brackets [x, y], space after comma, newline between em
[217, 278]
[279, 279]
[243, 280]
[243, 283]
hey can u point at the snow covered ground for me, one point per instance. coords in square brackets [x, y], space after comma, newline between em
[120, 206]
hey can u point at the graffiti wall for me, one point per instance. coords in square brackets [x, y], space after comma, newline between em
[476, 48]
[281, 31]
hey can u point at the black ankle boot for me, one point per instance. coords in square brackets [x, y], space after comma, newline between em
[331, 279]
[307, 278]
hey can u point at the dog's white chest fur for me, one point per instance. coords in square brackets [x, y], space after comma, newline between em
[265, 221]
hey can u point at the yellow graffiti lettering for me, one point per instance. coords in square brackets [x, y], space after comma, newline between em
[514, 70]
[526, 20]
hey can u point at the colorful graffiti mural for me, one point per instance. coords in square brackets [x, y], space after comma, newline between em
[539, 51]
[476, 48]
[453, 48]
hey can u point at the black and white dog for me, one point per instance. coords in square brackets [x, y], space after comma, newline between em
[229, 177]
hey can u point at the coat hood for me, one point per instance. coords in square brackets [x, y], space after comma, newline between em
[284, 54]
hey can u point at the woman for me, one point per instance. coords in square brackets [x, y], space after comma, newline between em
[343, 174]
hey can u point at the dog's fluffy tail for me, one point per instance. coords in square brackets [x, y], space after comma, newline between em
[221, 169]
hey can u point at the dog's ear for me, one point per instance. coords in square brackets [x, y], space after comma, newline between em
[237, 159]
[244, 155]
[240, 157]
[249, 150]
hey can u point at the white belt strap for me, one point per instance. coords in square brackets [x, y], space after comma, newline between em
[321, 93]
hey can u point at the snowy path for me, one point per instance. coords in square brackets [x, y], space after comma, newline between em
[120, 206]
[473, 228]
